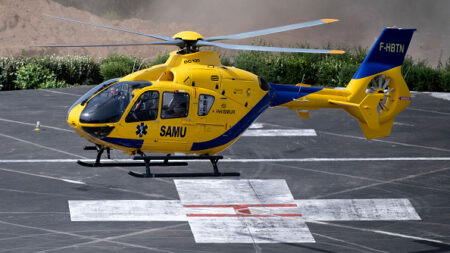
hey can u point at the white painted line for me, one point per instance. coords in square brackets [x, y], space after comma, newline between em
[405, 236]
[43, 176]
[403, 124]
[441, 95]
[383, 141]
[42, 126]
[256, 126]
[40, 161]
[126, 210]
[340, 159]
[60, 92]
[40, 146]
[231, 160]
[279, 132]
[377, 231]
[343, 242]
[424, 110]
[72, 181]
[357, 209]
[383, 182]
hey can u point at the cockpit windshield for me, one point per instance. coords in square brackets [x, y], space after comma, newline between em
[83, 99]
[109, 105]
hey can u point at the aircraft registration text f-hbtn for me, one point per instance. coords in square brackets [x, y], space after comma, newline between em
[192, 104]
[392, 47]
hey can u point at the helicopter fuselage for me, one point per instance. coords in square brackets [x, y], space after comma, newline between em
[192, 104]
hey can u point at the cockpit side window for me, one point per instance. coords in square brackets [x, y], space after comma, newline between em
[205, 103]
[174, 105]
[145, 108]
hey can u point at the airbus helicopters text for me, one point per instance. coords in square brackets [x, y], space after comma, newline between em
[192, 104]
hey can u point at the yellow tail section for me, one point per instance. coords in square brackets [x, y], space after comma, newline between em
[374, 100]
[376, 94]
[377, 100]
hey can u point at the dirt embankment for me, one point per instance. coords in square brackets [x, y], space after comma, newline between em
[22, 25]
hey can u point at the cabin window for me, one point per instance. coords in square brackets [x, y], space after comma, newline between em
[175, 105]
[205, 103]
[145, 108]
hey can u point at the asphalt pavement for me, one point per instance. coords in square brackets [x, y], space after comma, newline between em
[386, 195]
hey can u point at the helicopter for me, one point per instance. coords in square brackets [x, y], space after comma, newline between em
[194, 105]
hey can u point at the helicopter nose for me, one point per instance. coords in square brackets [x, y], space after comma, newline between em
[73, 117]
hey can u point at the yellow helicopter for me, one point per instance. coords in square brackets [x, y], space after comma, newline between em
[194, 105]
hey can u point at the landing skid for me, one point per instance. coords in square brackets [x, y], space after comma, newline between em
[213, 159]
[167, 160]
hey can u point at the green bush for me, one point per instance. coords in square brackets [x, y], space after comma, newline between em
[421, 77]
[160, 59]
[325, 70]
[33, 76]
[445, 80]
[73, 70]
[8, 69]
[118, 66]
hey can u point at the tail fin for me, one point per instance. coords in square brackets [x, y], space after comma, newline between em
[376, 94]
[378, 86]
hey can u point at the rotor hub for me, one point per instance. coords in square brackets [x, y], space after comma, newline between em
[188, 36]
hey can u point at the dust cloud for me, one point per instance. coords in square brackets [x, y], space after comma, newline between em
[361, 20]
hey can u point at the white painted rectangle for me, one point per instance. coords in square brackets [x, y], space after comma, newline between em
[221, 192]
[357, 209]
[126, 210]
[279, 132]
[249, 230]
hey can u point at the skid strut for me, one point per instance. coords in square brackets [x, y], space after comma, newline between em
[100, 150]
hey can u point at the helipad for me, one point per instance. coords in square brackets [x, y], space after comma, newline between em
[243, 211]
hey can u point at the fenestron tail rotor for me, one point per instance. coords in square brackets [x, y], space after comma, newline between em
[381, 84]
[189, 42]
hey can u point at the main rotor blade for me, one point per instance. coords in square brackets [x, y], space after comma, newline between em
[160, 37]
[173, 42]
[268, 49]
[271, 30]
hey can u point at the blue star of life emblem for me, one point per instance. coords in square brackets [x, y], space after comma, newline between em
[141, 129]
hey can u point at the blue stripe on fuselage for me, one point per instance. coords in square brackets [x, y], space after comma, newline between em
[282, 94]
[129, 143]
[277, 95]
[238, 128]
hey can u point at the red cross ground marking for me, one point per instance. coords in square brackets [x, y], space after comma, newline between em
[242, 210]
